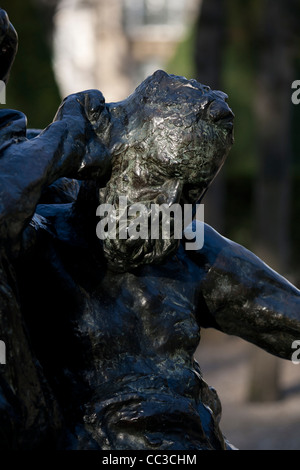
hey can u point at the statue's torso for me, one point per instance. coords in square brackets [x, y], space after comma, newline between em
[119, 347]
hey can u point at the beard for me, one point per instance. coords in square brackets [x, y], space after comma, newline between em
[131, 242]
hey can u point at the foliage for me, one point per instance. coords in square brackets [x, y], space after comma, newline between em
[32, 88]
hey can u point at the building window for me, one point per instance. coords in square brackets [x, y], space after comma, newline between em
[139, 13]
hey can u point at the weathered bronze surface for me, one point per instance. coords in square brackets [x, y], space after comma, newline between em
[100, 336]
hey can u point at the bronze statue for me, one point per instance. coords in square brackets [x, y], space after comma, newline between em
[100, 334]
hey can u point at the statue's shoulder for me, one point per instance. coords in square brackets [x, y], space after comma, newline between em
[203, 244]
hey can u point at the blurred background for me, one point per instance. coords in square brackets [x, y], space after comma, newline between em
[250, 50]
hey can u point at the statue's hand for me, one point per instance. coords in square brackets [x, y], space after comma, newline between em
[8, 45]
[87, 156]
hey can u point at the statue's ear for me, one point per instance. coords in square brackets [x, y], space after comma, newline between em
[8, 46]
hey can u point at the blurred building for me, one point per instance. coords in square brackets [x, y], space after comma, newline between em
[113, 45]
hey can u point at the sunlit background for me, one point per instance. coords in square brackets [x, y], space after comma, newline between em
[250, 50]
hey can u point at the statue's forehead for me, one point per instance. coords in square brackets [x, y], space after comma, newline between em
[166, 95]
[174, 87]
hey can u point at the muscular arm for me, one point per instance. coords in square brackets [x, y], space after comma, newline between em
[67, 147]
[245, 297]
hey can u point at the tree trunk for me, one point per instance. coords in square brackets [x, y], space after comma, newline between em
[209, 47]
[273, 185]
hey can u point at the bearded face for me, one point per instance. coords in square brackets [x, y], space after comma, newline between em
[168, 140]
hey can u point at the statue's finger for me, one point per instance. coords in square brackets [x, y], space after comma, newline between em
[4, 24]
[94, 104]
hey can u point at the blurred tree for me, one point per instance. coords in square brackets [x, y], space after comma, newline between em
[209, 51]
[273, 110]
[247, 49]
[275, 46]
[47, 9]
[32, 88]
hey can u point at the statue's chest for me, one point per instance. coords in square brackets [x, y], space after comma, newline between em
[153, 306]
[150, 309]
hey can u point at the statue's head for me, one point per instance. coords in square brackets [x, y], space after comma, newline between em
[168, 141]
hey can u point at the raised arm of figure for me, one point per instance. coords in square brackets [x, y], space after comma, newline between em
[68, 147]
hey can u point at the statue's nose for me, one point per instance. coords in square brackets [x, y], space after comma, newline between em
[219, 110]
